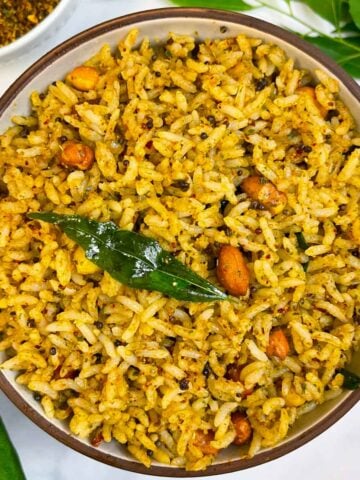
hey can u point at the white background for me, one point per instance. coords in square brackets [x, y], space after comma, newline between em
[334, 455]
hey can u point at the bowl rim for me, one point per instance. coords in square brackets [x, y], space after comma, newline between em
[33, 33]
[5, 385]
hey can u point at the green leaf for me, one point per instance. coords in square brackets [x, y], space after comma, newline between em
[133, 259]
[346, 52]
[335, 11]
[301, 241]
[10, 467]
[354, 6]
[349, 27]
[305, 266]
[351, 380]
[220, 4]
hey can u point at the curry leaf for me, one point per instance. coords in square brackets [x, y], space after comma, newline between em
[354, 6]
[133, 259]
[349, 27]
[301, 241]
[335, 11]
[351, 380]
[346, 52]
[10, 467]
[220, 4]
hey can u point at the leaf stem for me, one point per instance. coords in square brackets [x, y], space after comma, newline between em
[349, 57]
[290, 14]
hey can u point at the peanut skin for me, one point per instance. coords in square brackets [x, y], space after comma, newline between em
[232, 271]
[265, 192]
[278, 344]
[202, 441]
[242, 427]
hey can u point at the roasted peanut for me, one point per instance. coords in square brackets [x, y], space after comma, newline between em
[96, 437]
[83, 78]
[232, 271]
[242, 427]
[310, 92]
[77, 155]
[265, 192]
[278, 344]
[233, 372]
[202, 441]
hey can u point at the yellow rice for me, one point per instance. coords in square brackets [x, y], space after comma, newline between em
[120, 379]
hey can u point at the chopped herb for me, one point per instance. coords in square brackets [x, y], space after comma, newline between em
[301, 241]
[305, 266]
[351, 380]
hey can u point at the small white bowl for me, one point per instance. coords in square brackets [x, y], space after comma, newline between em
[41, 31]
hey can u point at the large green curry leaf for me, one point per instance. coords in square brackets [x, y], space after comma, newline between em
[133, 259]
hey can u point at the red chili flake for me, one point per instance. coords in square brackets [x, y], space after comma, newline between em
[96, 437]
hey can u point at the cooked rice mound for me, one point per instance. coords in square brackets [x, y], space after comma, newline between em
[176, 128]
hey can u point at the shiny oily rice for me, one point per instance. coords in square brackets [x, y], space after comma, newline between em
[174, 131]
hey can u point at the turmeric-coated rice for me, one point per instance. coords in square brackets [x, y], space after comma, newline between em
[175, 129]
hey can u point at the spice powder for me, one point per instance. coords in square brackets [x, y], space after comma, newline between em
[17, 17]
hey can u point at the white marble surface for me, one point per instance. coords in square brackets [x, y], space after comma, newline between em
[331, 456]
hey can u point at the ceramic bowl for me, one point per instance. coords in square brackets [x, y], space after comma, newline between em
[40, 32]
[156, 24]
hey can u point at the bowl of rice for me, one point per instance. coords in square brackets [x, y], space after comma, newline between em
[234, 145]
